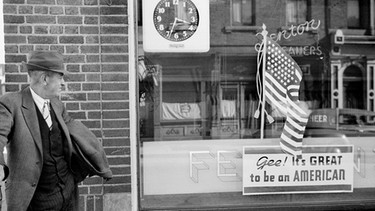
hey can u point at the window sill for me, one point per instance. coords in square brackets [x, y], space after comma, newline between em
[230, 29]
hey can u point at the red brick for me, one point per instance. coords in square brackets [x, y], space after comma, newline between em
[89, 29]
[41, 29]
[93, 96]
[99, 203]
[115, 96]
[91, 68]
[12, 87]
[83, 190]
[115, 114]
[114, 20]
[41, 47]
[115, 123]
[120, 170]
[11, 68]
[115, 68]
[69, 19]
[91, 2]
[114, 30]
[26, 48]
[91, 20]
[73, 68]
[11, 49]
[71, 30]
[9, 9]
[113, 3]
[94, 115]
[114, 39]
[58, 48]
[117, 188]
[72, 106]
[24, 9]
[90, 105]
[41, 1]
[90, 49]
[115, 49]
[72, 49]
[113, 10]
[114, 77]
[42, 39]
[115, 105]
[11, 78]
[96, 190]
[40, 19]
[74, 58]
[89, 11]
[90, 203]
[15, 58]
[71, 11]
[91, 87]
[69, 2]
[41, 10]
[71, 39]
[14, 19]
[75, 77]
[77, 115]
[56, 10]
[119, 180]
[115, 86]
[109, 142]
[26, 29]
[74, 87]
[93, 58]
[118, 160]
[56, 29]
[115, 58]
[13, 1]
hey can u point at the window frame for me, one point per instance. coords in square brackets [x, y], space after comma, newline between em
[307, 15]
[241, 15]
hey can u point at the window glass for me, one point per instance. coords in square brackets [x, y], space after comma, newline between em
[242, 12]
[353, 14]
[218, 127]
[296, 11]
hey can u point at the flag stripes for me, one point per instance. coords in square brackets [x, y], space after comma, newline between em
[282, 84]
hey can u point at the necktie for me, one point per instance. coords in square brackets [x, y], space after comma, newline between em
[46, 114]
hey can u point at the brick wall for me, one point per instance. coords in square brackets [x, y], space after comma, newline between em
[92, 34]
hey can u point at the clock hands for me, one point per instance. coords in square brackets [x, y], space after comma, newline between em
[176, 22]
[180, 20]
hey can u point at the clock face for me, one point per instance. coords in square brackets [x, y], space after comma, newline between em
[176, 20]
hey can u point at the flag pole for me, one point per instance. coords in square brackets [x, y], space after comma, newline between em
[264, 34]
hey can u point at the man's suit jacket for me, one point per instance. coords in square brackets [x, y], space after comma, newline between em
[20, 133]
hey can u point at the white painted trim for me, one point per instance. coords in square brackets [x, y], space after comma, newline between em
[2, 49]
[133, 114]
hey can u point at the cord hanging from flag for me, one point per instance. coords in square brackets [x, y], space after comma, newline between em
[281, 82]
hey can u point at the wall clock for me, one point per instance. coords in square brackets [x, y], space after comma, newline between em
[176, 25]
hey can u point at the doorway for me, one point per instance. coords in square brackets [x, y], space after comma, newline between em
[354, 87]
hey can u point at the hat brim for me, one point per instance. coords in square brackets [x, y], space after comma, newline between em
[31, 66]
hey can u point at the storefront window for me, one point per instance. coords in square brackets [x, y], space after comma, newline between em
[218, 125]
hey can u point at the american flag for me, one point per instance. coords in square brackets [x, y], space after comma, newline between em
[282, 83]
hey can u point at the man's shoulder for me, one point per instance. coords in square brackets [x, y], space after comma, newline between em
[11, 97]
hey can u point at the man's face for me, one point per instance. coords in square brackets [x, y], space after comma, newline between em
[55, 84]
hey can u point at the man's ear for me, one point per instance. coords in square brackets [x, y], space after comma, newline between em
[43, 78]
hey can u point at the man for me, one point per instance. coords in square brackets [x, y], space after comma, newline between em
[48, 152]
